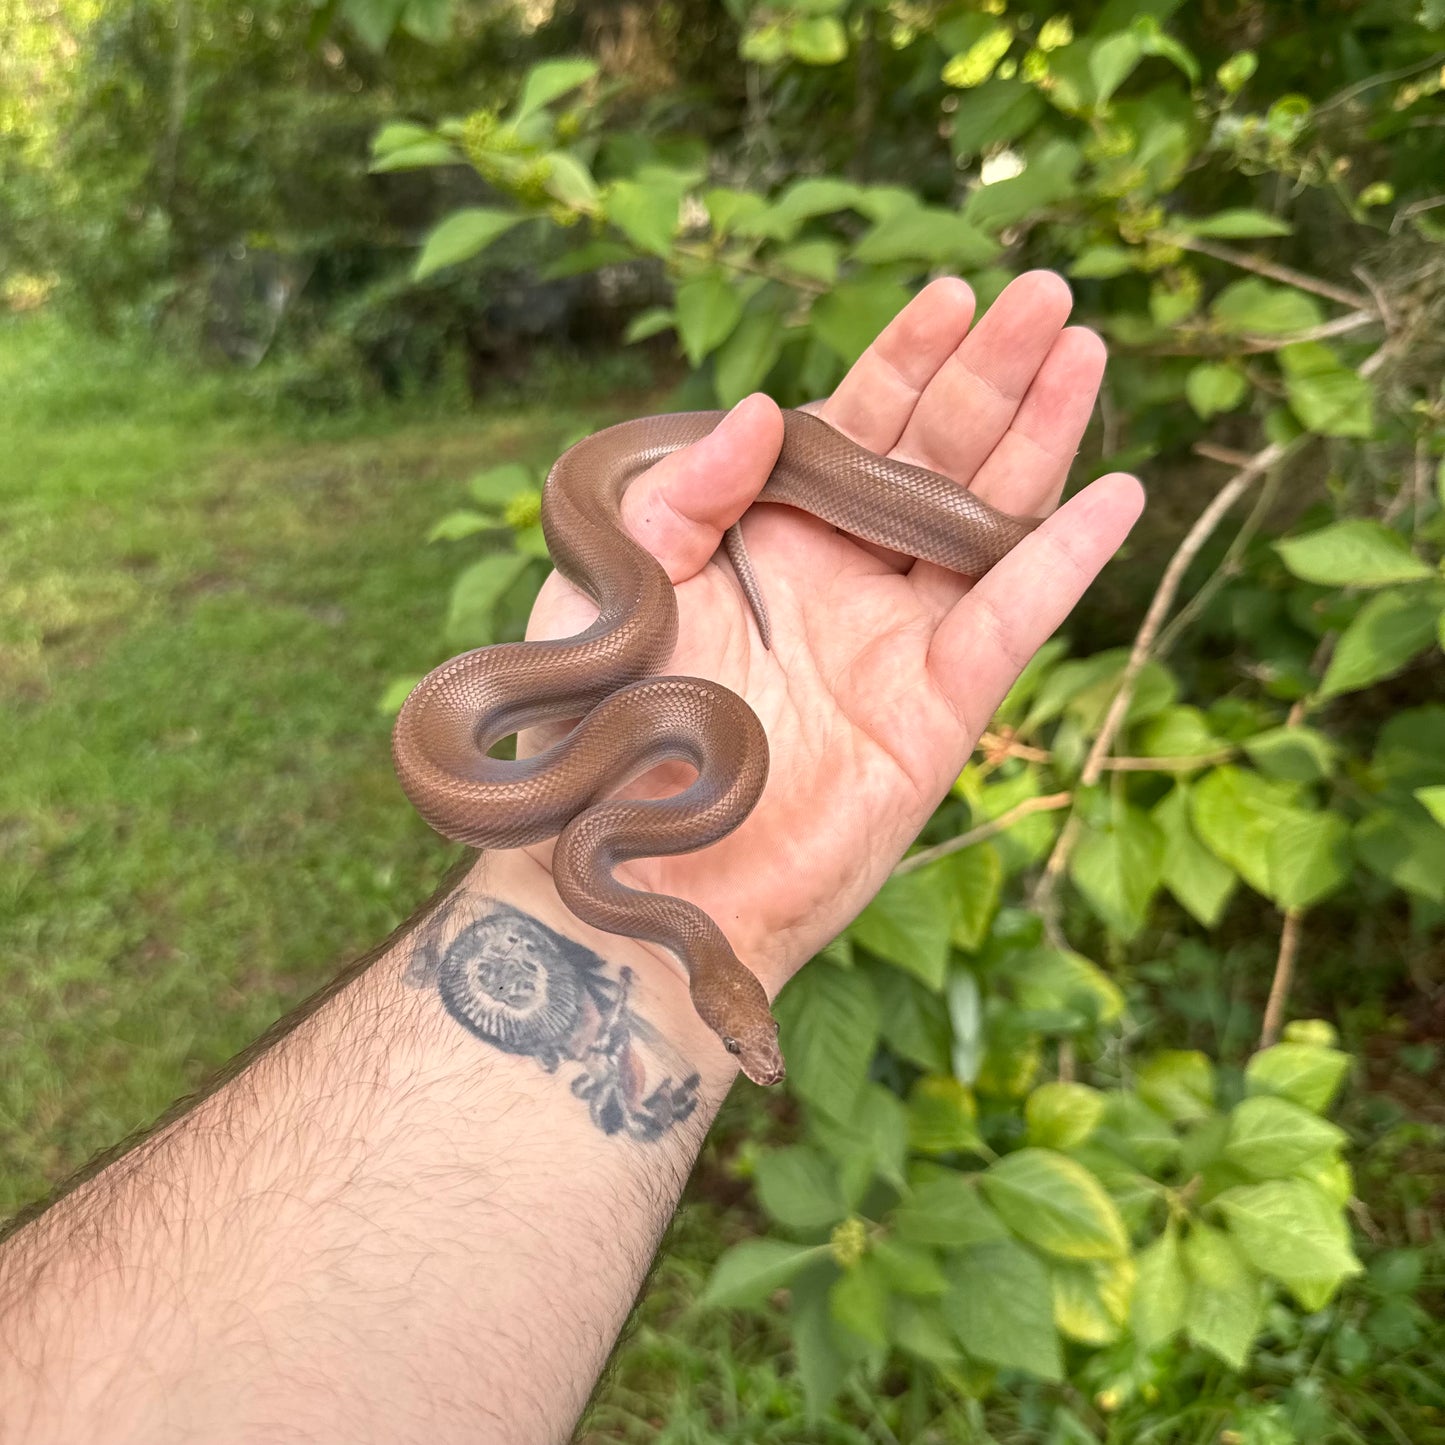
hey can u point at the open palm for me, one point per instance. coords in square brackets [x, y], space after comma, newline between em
[883, 670]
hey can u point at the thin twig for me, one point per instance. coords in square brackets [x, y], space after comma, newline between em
[1050, 803]
[1212, 452]
[1255, 345]
[996, 745]
[1227, 568]
[1285, 274]
[1386, 77]
[1283, 977]
[1159, 607]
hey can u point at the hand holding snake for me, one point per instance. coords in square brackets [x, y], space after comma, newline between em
[882, 670]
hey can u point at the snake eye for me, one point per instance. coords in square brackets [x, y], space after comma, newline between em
[732, 1046]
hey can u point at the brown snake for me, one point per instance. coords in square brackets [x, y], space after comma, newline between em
[631, 719]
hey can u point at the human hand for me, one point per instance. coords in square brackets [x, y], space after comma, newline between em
[884, 670]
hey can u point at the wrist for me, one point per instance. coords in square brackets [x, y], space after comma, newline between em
[517, 969]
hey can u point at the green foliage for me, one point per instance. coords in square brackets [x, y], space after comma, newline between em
[1036, 1226]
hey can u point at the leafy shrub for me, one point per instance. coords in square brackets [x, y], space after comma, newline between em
[959, 1195]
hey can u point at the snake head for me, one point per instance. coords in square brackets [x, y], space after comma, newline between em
[757, 1051]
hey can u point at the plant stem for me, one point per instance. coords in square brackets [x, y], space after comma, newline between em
[1050, 803]
[1283, 977]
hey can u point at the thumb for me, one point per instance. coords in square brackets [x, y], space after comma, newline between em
[680, 508]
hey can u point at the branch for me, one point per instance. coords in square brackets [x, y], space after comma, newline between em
[1285, 274]
[1050, 803]
[997, 746]
[1163, 600]
[1283, 977]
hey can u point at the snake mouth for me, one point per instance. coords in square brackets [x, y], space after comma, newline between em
[767, 1074]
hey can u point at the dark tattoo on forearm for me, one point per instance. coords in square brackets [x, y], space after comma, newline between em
[524, 989]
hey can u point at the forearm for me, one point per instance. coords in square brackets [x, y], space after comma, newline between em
[423, 1214]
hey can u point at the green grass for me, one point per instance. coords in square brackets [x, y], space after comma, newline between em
[199, 609]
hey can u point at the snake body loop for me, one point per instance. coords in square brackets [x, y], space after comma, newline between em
[631, 718]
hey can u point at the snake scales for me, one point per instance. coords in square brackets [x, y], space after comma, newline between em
[632, 718]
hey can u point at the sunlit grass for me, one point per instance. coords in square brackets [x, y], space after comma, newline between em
[200, 605]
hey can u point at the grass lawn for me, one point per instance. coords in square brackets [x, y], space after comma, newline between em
[198, 818]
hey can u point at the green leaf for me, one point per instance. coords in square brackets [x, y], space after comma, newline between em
[708, 307]
[1432, 799]
[909, 1268]
[909, 923]
[747, 356]
[801, 201]
[1161, 1291]
[858, 1301]
[817, 259]
[1237, 224]
[870, 1141]
[646, 214]
[400, 135]
[997, 112]
[1308, 1074]
[1226, 1301]
[430, 21]
[921, 1330]
[1062, 1115]
[1254, 307]
[1296, 753]
[1049, 979]
[569, 181]
[1324, 394]
[947, 1211]
[461, 236]
[549, 81]
[1111, 61]
[1352, 554]
[822, 1364]
[926, 234]
[1118, 868]
[749, 1273]
[1048, 176]
[1406, 846]
[1000, 1307]
[1023, 842]
[1091, 1298]
[1102, 263]
[373, 20]
[829, 1024]
[1136, 1133]
[854, 312]
[496, 486]
[1179, 1083]
[913, 1022]
[1236, 811]
[1289, 1228]
[649, 323]
[430, 152]
[799, 1188]
[1271, 1138]
[725, 207]
[1191, 872]
[1215, 386]
[476, 593]
[976, 875]
[1386, 633]
[456, 525]
[818, 40]
[397, 692]
[942, 1116]
[1309, 858]
[1056, 1204]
